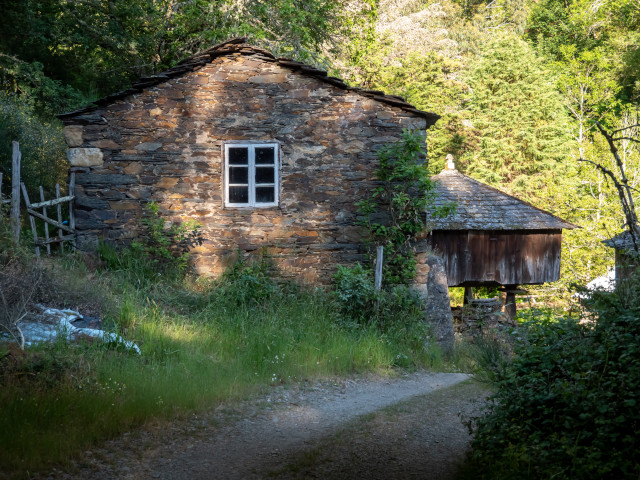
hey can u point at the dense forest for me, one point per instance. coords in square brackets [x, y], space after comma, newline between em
[519, 84]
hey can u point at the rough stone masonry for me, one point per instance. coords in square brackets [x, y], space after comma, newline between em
[164, 141]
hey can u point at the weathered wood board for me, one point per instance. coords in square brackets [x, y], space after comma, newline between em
[477, 258]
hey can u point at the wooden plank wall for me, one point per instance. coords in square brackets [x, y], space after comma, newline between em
[474, 258]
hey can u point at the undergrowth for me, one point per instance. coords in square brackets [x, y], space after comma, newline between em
[202, 341]
[566, 405]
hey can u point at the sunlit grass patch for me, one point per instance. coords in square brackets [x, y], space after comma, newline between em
[202, 343]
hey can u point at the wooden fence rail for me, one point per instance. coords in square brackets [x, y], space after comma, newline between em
[62, 226]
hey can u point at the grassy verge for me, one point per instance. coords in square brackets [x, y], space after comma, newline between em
[202, 343]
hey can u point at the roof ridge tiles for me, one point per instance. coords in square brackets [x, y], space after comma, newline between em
[239, 46]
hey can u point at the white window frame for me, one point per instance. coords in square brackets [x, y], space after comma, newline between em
[251, 147]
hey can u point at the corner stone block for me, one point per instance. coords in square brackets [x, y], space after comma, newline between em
[269, 78]
[85, 157]
[73, 135]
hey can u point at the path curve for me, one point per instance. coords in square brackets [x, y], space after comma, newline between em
[262, 441]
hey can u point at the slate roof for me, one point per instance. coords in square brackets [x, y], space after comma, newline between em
[239, 45]
[622, 241]
[481, 207]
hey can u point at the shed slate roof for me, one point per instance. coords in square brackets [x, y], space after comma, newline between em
[481, 207]
[239, 45]
[622, 241]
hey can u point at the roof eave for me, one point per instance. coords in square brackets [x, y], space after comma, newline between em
[239, 45]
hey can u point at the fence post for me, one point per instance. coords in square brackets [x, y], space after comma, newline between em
[378, 279]
[59, 211]
[72, 217]
[46, 225]
[31, 220]
[15, 193]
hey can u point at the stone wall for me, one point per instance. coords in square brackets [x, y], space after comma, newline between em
[165, 144]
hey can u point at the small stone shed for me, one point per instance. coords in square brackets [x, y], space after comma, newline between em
[626, 260]
[265, 152]
[493, 239]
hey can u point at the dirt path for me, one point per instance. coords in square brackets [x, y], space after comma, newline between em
[406, 427]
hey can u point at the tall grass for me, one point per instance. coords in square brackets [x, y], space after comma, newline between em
[202, 343]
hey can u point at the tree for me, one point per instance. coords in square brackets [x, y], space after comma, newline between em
[43, 149]
[517, 117]
[100, 46]
[619, 178]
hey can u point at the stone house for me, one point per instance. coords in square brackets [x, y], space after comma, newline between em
[266, 153]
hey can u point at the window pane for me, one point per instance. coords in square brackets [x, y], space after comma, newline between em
[265, 194]
[239, 175]
[265, 175]
[265, 155]
[238, 156]
[238, 194]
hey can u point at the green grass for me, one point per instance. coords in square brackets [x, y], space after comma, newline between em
[201, 344]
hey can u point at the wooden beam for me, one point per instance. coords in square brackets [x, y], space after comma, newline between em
[52, 203]
[46, 225]
[379, 260]
[15, 192]
[32, 222]
[62, 226]
[468, 296]
[510, 309]
[59, 211]
[63, 238]
[72, 217]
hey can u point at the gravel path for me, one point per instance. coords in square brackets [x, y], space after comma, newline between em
[405, 427]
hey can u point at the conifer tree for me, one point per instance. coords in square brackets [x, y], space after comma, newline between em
[518, 117]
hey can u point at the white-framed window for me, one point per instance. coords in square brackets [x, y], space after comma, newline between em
[251, 175]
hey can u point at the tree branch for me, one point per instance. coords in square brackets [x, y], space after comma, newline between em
[637, 125]
[622, 185]
[626, 138]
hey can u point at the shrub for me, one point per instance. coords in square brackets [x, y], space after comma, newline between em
[566, 407]
[248, 283]
[19, 284]
[167, 246]
[360, 303]
[161, 250]
[392, 214]
[354, 290]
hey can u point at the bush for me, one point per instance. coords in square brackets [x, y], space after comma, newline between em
[246, 284]
[566, 407]
[393, 213]
[162, 249]
[41, 144]
[167, 246]
[354, 290]
[396, 307]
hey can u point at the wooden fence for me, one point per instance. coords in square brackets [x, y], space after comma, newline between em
[65, 228]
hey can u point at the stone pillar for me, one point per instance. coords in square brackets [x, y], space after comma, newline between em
[510, 309]
[468, 295]
[438, 304]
